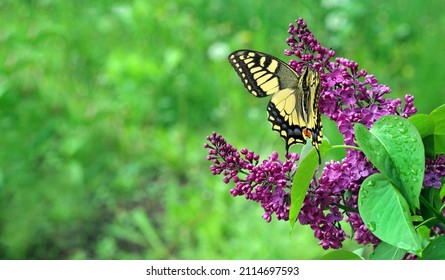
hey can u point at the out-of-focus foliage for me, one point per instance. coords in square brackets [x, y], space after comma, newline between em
[105, 105]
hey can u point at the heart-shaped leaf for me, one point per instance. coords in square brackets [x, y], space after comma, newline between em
[395, 148]
[386, 214]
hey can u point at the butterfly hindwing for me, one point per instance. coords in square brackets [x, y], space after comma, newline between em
[293, 108]
[310, 85]
[283, 113]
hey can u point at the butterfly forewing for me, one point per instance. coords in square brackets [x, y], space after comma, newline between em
[262, 74]
[293, 108]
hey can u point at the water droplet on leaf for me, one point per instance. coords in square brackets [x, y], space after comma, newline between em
[403, 129]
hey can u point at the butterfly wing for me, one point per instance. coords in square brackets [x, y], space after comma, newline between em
[293, 108]
[310, 84]
[262, 74]
[294, 112]
[284, 114]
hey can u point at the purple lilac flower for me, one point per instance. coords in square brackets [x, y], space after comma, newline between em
[349, 95]
[434, 172]
[268, 182]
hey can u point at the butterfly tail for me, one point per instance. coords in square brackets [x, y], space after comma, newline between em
[319, 157]
[287, 149]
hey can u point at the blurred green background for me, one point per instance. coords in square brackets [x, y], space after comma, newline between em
[105, 106]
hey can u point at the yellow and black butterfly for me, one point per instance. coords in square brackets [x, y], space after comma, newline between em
[293, 108]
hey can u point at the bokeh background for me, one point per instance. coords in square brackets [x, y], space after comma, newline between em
[105, 106]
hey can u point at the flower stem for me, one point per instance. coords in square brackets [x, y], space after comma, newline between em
[346, 208]
[346, 147]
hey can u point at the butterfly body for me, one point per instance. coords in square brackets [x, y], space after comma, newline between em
[293, 108]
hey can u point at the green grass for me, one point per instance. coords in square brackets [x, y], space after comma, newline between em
[105, 105]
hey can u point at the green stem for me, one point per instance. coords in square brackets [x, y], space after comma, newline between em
[426, 222]
[441, 208]
[346, 208]
[346, 147]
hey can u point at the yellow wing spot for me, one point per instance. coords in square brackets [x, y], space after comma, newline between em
[248, 60]
[263, 79]
[271, 84]
[255, 69]
[257, 75]
[270, 88]
[262, 61]
[273, 66]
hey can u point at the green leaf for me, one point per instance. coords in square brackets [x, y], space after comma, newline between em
[424, 124]
[424, 232]
[385, 251]
[309, 150]
[438, 116]
[302, 179]
[364, 252]
[340, 255]
[428, 143]
[442, 190]
[395, 147]
[306, 150]
[439, 144]
[432, 196]
[386, 214]
[435, 250]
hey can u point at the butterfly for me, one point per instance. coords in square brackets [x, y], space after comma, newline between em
[293, 108]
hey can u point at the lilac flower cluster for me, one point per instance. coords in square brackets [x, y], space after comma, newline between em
[268, 183]
[434, 172]
[345, 97]
[348, 96]
[337, 179]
